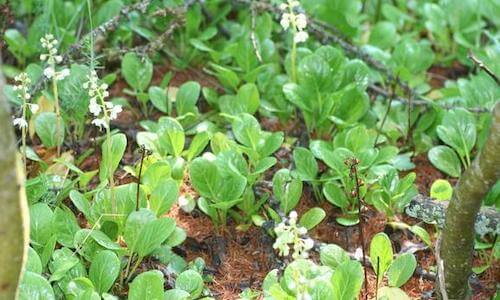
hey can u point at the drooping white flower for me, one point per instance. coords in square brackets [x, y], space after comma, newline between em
[62, 74]
[49, 72]
[301, 22]
[115, 110]
[300, 37]
[94, 108]
[34, 107]
[101, 123]
[20, 122]
[285, 21]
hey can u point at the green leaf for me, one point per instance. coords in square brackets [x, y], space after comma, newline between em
[247, 130]
[198, 144]
[33, 263]
[137, 71]
[104, 270]
[392, 293]
[177, 294]
[305, 164]
[401, 269]
[159, 98]
[446, 160]
[381, 249]
[163, 197]
[204, 177]
[335, 195]
[191, 282]
[422, 234]
[187, 96]
[287, 190]
[148, 285]
[41, 223]
[312, 217]
[333, 256]
[46, 129]
[65, 225]
[144, 233]
[80, 202]
[441, 190]
[171, 136]
[458, 130]
[35, 287]
[110, 161]
[384, 35]
[347, 280]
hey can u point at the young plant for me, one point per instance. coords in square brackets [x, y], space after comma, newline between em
[138, 73]
[398, 270]
[329, 91]
[458, 132]
[391, 194]
[49, 43]
[218, 180]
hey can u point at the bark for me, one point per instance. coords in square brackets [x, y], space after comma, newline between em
[14, 220]
[458, 233]
[433, 212]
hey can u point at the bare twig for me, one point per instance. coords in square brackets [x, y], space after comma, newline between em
[353, 163]
[144, 152]
[481, 65]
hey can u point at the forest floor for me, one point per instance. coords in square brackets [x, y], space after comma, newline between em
[241, 259]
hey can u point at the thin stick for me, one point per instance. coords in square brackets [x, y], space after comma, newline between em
[440, 267]
[481, 65]
[144, 152]
[354, 171]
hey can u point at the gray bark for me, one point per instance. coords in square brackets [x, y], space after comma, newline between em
[14, 218]
[433, 212]
[458, 233]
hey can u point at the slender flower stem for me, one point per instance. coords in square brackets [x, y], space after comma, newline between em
[108, 152]
[23, 137]
[58, 114]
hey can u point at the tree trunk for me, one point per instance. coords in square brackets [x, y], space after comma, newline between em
[14, 217]
[458, 233]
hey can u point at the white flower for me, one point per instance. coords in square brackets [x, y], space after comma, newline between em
[20, 122]
[294, 3]
[300, 37]
[308, 243]
[34, 107]
[43, 57]
[293, 215]
[62, 74]
[115, 110]
[94, 108]
[49, 72]
[100, 123]
[301, 230]
[301, 22]
[283, 6]
[285, 21]
[58, 58]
